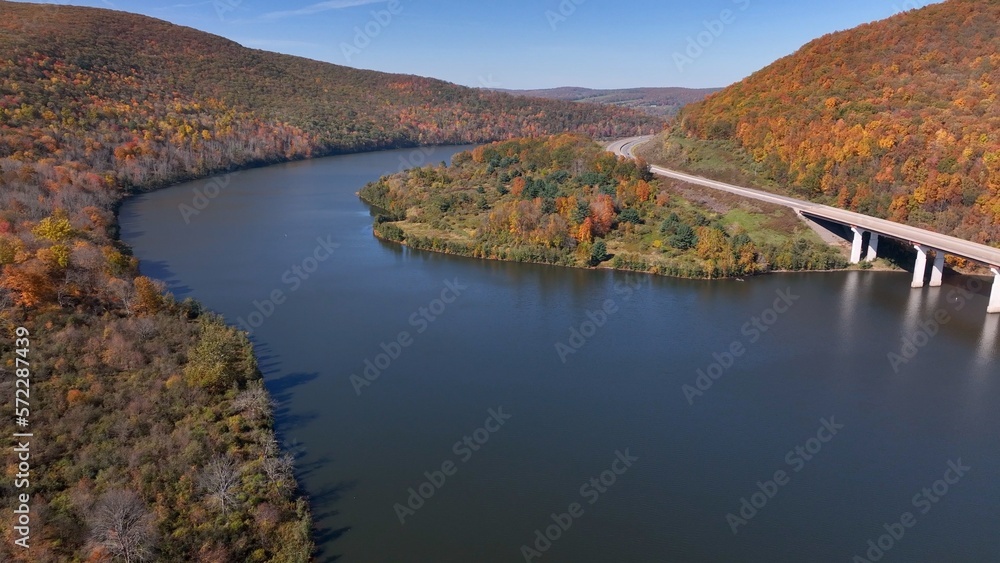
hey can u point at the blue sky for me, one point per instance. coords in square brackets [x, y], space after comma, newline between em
[529, 43]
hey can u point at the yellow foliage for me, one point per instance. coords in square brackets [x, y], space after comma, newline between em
[56, 228]
[56, 256]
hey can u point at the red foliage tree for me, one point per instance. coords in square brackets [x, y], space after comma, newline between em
[602, 211]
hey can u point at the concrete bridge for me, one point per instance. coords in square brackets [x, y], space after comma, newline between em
[867, 230]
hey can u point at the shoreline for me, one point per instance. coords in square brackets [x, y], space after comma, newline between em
[115, 235]
[613, 269]
[882, 270]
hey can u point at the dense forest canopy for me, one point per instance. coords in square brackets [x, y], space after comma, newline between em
[898, 118]
[563, 200]
[149, 412]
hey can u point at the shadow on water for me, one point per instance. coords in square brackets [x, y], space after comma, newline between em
[286, 418]
[322, 503]
[160, 270]
[325, 536]
[128, 220]
[281, 387]
[267, 360]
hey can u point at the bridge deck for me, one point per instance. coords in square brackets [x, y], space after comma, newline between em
[976, 252]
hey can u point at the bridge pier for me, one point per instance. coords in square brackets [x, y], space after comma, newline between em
[920, 269]
[937, 275]
[873, 248]
[858, 244]
[995, 296]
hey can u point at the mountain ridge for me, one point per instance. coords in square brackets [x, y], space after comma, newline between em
[896, 118]
[656, 101]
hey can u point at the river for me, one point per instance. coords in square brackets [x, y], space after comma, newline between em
[446, 409]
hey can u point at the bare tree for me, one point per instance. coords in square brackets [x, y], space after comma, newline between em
[219, 480]
[124, 291]
[281, 471]
[268, 443]
[123, 526]
[145, 328]
[254, 402]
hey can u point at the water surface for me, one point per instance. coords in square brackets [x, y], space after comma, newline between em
[492, 347]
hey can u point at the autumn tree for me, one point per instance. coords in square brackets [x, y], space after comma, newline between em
[602, 214]
[31, 283]
[585, 232]
[517, 186]
[148, 296]
[222, 358]
[56, 229]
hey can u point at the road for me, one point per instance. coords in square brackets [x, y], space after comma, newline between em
[976, 252]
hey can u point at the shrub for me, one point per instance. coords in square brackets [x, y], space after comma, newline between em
[390, 231]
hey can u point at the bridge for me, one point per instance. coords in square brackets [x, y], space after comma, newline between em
[865, 248]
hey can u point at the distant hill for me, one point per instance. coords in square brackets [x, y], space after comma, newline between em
[661, 102]
[127, 56]
[898, 118]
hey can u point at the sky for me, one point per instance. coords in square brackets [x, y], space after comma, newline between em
[526, 44]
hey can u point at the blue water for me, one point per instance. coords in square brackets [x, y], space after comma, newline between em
[462, 338]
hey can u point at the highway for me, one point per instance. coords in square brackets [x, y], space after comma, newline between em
[976, 252]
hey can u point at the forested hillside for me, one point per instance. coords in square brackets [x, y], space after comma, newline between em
[563, 200]
[899, 118]
[153, 433]
[662, 102]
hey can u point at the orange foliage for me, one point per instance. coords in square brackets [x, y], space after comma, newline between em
[148, 296]
[585, 233]
[643, 191]
[74, 396]
[517, 186]
[602, 213]
[916, 129]
[31, 283]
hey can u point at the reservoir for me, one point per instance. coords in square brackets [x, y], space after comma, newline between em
[446, 409]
